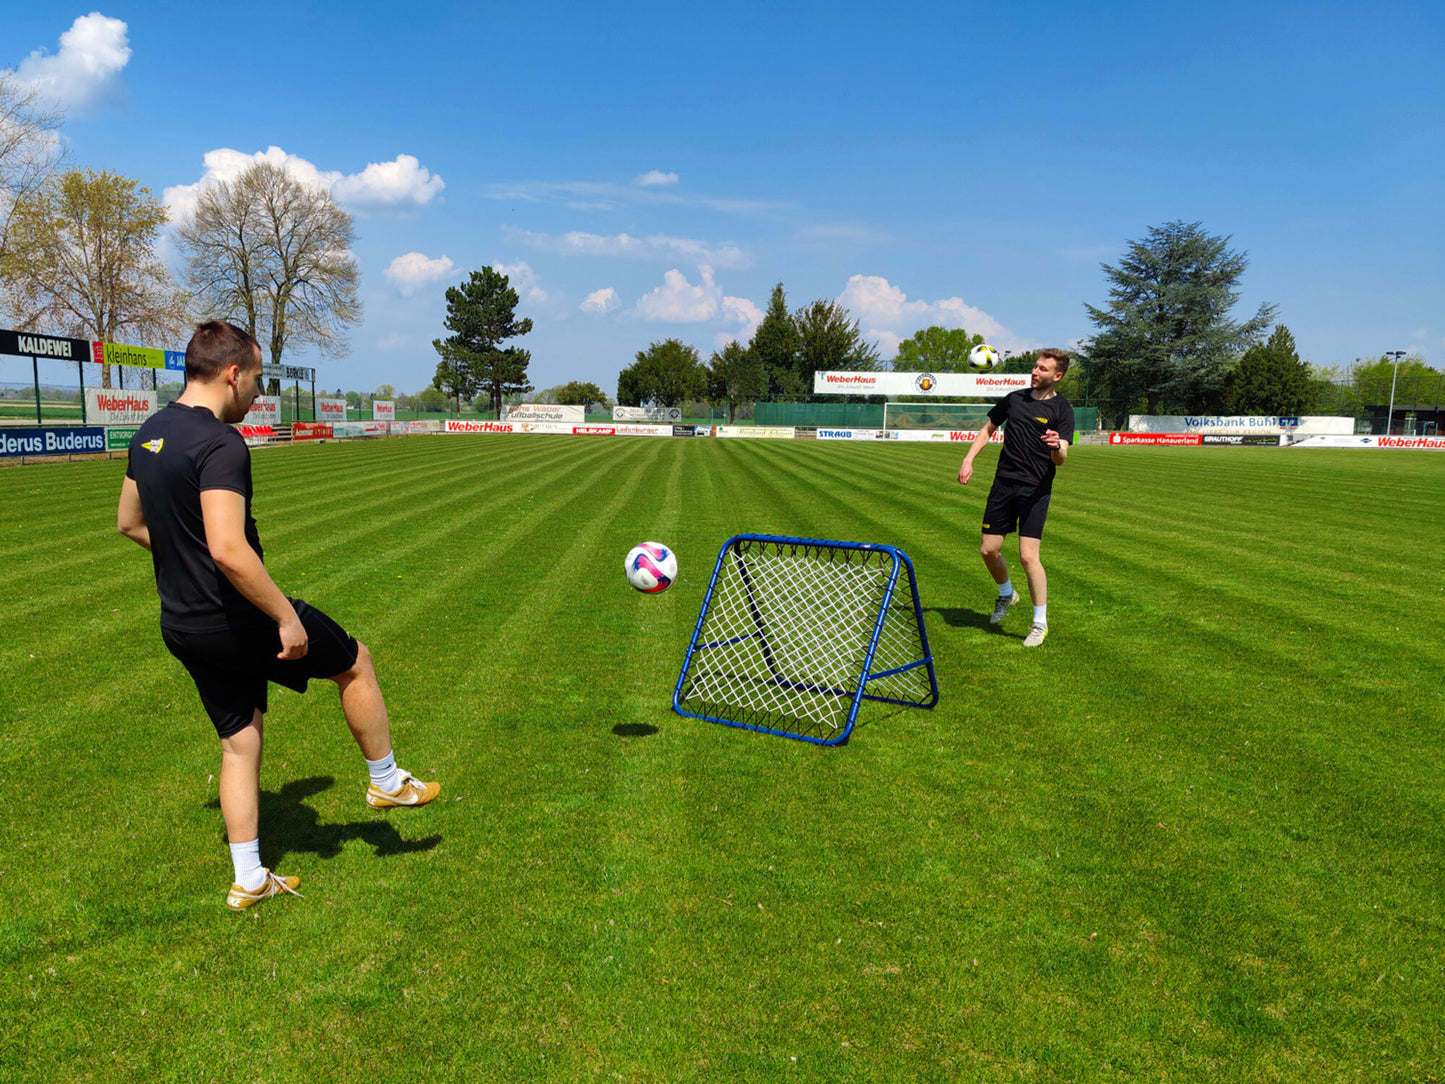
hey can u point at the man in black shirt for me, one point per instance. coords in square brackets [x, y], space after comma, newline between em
[187, 499]
[1038, 427]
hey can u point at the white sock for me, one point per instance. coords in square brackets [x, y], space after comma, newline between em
[246, 857]
[1041, 616]
[384, 773]
[1006, 589]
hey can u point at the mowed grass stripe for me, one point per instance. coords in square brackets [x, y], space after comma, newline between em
[1168, 854]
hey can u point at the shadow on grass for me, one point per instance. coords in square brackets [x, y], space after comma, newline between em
[290, 826]
[634, 730]
[960, 617]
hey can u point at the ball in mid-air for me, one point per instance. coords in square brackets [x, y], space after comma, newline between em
[651, 567]
[982, 358]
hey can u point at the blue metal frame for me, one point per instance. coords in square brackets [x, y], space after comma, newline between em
[900, 562]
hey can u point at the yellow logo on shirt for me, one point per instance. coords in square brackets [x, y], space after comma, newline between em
[154, 445]
[1043, 421]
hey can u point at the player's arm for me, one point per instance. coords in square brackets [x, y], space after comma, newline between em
[1058, 448]
[224, 514]
[965, 472]
[130, 517]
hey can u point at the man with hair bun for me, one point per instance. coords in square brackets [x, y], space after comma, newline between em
[187, 499]
[1038, 427]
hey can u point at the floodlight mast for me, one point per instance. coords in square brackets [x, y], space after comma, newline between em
[1390, 414]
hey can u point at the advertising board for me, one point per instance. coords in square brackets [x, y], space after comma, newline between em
[545, 412]
[646, 414]
[985, 385]
[106, 406]
[117, 438]
[52, 440]
[1308, 425]
[330, 410]
[266, 410]
[383, 410]
[312, 431]
[1155, 438]
[757, 432]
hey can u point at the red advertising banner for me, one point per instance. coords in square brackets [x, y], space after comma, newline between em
[1154, 438]
[311, 431]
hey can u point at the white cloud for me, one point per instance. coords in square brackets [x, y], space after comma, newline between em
[401, 181]
[87, 68]
[678, 301]
[523, 279]
[409, 272]
[887, 315]
[655, 177]
[745, 312]
[601, 301]
[653, 247]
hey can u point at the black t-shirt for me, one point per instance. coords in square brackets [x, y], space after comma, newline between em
[177, 453]
[1025, 458]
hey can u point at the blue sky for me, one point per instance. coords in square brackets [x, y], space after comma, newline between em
[646, 171]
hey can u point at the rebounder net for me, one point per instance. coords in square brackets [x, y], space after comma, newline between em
[795, 633]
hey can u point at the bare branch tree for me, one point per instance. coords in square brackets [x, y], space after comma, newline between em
[30, 147]
[82, 262]
[274, 255]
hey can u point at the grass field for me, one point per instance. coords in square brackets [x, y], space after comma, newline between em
[1197, 835]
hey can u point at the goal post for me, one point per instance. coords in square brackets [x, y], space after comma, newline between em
[795, 633]
[930, 415]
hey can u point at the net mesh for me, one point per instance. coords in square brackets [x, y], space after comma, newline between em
[935, 415]
[785, 636]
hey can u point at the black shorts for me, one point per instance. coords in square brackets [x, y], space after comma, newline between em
[1016, 504]
[231, 667]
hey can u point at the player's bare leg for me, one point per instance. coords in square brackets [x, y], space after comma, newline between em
[240, 784]
[1038, 590]
[364, 706]
[365, 709]
[240, 793]
[991, 549]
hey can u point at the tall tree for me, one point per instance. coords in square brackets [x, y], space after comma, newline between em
[828, 338]
[775, 345]
[1271, 379]
[735, 377]
[1166, 339]
[274, 255]
[83, 261]
[30, 148]
[574, 393]
[938, 349]
[481, 315]
[668, 373]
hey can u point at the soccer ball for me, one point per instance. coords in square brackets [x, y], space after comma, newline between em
[982, 358]
[651, 567]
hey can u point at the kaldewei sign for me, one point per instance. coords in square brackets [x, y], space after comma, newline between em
[28, 344]
[942, 385]
[108, 407]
